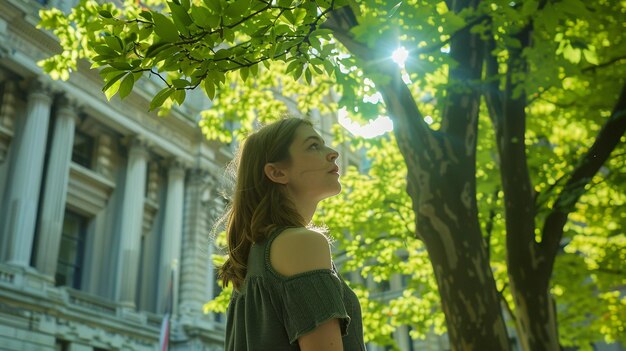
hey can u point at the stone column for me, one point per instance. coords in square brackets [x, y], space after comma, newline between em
[131, 223]
[171, 237]
[55, 191]
[25, 177]
[196, 271]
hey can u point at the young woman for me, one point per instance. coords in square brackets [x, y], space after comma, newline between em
[288, 294]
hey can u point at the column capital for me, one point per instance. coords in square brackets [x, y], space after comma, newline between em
[69, 107]
[66, 101]
[201, 177]
[174, 164]
[137, 144]
[40, 86]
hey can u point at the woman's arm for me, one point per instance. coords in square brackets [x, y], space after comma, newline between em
[326, 337]
[299, 250]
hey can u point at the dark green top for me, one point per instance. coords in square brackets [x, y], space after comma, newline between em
[271, 311]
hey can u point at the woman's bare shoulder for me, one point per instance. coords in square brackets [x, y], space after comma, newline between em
[299, 250]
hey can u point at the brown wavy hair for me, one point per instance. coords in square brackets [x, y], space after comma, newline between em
[258, 205]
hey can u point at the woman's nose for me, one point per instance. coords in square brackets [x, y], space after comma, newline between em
[332, 155]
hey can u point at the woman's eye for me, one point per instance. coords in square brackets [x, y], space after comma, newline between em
[314, 146]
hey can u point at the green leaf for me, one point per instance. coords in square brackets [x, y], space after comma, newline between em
[114, 43]
[154, 49]
[160, 98]
[214, 5]
[329, 67]
[127, 85]
[112, 81]
[146, 15]
[180, 83]
[181, 18]
[179, 96]
[307, 75]
[124, 66]
[237, 10]
[204, 18]
[105, 14]
[243, 72]
[292, 65]
[165, 28]
[112, 86]
[254, 70]
[209, 88]
[104, 50]
[289, 17]
[297, 72]
[105, 71]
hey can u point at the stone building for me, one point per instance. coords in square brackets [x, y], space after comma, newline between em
[101, 204]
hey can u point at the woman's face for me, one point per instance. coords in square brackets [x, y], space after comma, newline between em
[312, 174]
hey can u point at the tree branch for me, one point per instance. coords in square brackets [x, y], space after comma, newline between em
[492, 93]
[460, 113]
[604, 64]
[506, 303]
[606, 141]
[410, 127]
[519, 196]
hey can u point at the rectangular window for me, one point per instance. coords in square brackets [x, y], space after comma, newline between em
[410, 340]
[82, 152]
[61, 345]
[71, 251]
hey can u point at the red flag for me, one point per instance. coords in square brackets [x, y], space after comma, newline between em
[164, 337]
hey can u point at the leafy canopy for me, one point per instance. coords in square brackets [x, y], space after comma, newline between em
[257, 59]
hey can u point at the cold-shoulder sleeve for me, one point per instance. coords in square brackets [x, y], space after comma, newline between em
[311, 298]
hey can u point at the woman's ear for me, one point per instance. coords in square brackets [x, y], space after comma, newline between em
[276, 174]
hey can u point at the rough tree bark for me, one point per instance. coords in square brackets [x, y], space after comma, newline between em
[530, 262]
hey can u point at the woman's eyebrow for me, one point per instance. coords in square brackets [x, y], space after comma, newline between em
[313, 137]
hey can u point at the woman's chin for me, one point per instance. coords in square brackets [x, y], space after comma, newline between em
[335, 191]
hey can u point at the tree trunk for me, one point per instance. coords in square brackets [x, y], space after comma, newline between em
[535, 314]
[454, 242]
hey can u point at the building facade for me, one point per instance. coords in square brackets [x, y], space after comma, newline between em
[105, 208]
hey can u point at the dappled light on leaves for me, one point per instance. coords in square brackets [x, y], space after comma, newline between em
[557, 66]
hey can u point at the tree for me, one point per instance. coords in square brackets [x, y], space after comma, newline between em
[547, 75]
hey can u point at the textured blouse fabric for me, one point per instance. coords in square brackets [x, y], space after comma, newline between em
[271, 311]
